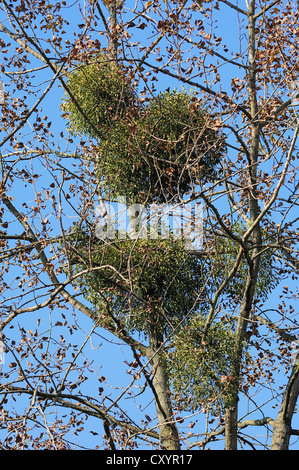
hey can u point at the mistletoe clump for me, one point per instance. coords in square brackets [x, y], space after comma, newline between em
[161, 151]
[198, 364]
[143, 283]
[100, 95]
[224, 259]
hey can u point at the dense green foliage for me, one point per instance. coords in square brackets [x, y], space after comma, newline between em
[101, 95]
[142, 282]
[199, 366]
[159, 154]
[152, 151]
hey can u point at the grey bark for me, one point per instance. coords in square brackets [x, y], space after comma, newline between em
[169, 436]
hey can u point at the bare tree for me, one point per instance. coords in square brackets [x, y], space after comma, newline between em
[133, 345]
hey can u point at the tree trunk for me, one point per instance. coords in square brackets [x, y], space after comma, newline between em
[231, 428]
[282, 425]
[252, 255]
[169, 436]
[231, 416]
